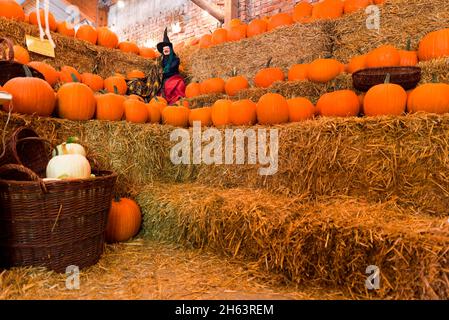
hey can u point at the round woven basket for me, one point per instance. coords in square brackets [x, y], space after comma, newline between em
[53, 224]
[406, 77]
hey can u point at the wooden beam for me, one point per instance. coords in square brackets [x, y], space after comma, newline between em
[231, 10]
[213, 10]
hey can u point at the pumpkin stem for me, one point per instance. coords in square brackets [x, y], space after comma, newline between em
[408, 46]
[72, 140]
[74, 78]
[269, 62]
[27, 70]
[115, 90]
[387, 78]
[64, 149]
[117, 198]
[434, 78]
[234, 72]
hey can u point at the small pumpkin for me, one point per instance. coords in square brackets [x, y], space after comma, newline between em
[203, 115]
[272, 108]
[71, 146]
[328, 9]
[93, 81]
[302, 12]
[51, 19]
[355, 5]
[193, 89]
[160, 103]
[87, 33]
[298, 72]
[124, 220]
[429, 97]
[68, 166]
[356, 63]
[243, 113]
[114, 83]
[237, 33]
[110, 107]
[340, 103]
[279, 20]
[69, 74]
[147, 53]
[11, 10]
[135, 74]
[65, 29]
[266, 77]
[21, 54]
[256, 27]
[129, 47]
[324, 70]
[76, 101]
[154, 113]
[220, 112]
[385, 99]
[135, 111]
[236, 84]
[219, 36]
[434, 45]
[107, 38]
[214, 85]
[206, 41]
[384, 56]
[408, 57]
[300, 109]
[176, 116]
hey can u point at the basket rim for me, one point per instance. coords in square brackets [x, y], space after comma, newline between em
[372, 71]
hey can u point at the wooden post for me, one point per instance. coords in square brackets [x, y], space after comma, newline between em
[213, 10]
[231, 10]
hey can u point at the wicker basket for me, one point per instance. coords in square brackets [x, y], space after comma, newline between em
[26, 148]
[10, 69]
[53, 224]
[406, 77]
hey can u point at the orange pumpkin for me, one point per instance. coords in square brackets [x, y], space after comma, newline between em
[176, 116]
[21, 55]
[87, 33]
[302, 12]
[384, 56]
[30, 96]
[355, 5]
[236, 84]
[233, 23]
[408, 57]
[67, 75]
[110, 106]
[147, 53]
[385, 99]
[341, 103]
[93, 81]
[429, 97]
[154, 113]
[266, 77]
[298, 72]
[136, 97]
[135, 111]
[279, 20]
[50, 74]
[357, 63]
[65, 29]
[202, 115]
[124, 220]
[220, 113]
[219, 36]
[214, 85]
[256, 27]
[51, 19]
[237, 33]
[193, 90]
[76, 101]
[159, 99]
[11, 10]
[135, 74]
[300, 109]
[243, 113]
[129, 47]
[434, 45]
[206, 41]
[116, 82]
[159, 103]
[328, 9]
[107, 38]
[324, 70]
[272, 108]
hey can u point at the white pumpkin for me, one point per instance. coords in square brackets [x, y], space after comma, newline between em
[69, 147]
[70, 166]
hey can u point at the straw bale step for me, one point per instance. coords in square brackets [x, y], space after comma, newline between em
[329, 242]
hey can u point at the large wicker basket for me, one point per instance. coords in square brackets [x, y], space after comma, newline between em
[53, 224]
[406, 77]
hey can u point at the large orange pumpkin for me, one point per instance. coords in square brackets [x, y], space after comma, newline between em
[272, 108]
[129, 47]
[429, 97]
[256, 26]
[243, 113]
[114, 83]
[341, 103]
[266, 77]
[219, 36]
[300, 109]
[408, 57]
[355, 5]
[384, 56]
[193, 89]
[87, 33]
[68, 74]
[328, 9]
[135, 111]
[324, 70]
[236, 84]
[202, 115]
[279, 20]
[298, 72]
[176, 116]
[66, 30]
[76, 101]
[11, 10]
[50, 74]
[238, 32]
[434, 45]
[93, 81]
[147, 53]
[385, 99]
[302, 12]
[110, 106]
[221, 112]
[213, 85]
[124, 220]
[51, 19]
[31, 96]
[107, 38]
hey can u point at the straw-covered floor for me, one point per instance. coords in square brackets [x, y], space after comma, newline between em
[403, 159]
[330, 242]
[149, 270]
[79, 54]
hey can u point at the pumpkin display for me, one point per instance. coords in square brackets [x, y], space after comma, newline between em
[256, 27]
[68, 166]
[302, 12]
[213, 85]
[69, 74]
[203, 115]
[30, 96]
[298, 72]
[135, 74]
[76, 101]
[50, 74]
[205, 41]
[328, 9]
[107, 38]
[356, 63]
[385, 99]
[114, 83]
[220, 112]
[154, 113]
[110, 106]
[279, 20]
[159, 102]
[135, 111]
[129, 47]
[408, 57]
[434, 45]
[355, 5]
[237, 33]
[11, 10]
[272, 108]
[219, 36]
[233, 23]
[65, 29]
[147, 53]
[300, 109]
[124, 220]
[87, 33]
[32, 18]
[384, 56]
[93, 81]
[21, 54]
[71, 146]
[176, 116]
[193, 89]
[429, 97]
[266, 77]
[236, 84]
[340, 103]
[324, 70]
[243, 113]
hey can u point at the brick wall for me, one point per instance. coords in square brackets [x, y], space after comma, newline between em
[144, 21]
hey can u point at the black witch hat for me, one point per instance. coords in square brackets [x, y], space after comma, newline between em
[166, 42]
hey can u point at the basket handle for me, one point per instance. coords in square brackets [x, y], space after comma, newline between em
[35, 139]
[10, 46]
[34, 177]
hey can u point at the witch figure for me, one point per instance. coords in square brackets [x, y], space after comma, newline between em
[173, 85]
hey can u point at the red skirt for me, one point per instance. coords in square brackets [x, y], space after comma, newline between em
[174, 89]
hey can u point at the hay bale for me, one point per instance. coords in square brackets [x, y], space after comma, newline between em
[286, 46]
[400, 20]
[330, 242]
[82, 55]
